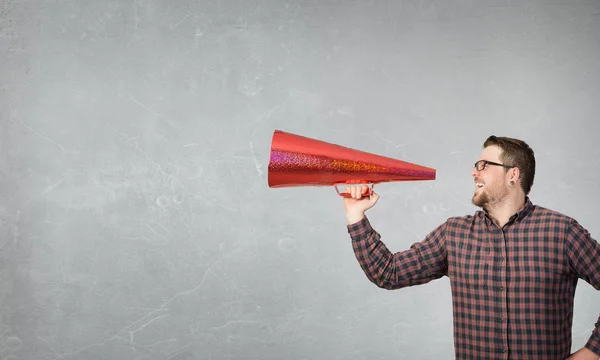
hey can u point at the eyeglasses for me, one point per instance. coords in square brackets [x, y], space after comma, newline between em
[481, 164]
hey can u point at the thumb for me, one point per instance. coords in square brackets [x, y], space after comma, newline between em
[374, 197]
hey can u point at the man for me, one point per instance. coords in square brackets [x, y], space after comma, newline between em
[513, 266]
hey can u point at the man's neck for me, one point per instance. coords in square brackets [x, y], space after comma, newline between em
[502, 212]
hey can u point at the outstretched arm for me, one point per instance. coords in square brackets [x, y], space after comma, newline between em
[423, 262]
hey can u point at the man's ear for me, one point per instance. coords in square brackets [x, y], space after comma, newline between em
[515, 174]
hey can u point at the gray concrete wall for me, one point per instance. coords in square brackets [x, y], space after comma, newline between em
[135, 217]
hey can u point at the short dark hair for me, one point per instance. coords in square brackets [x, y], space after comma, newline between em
[518, 154]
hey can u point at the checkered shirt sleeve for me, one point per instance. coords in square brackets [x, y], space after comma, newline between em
[423, 262]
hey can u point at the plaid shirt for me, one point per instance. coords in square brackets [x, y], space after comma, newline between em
[512, 287]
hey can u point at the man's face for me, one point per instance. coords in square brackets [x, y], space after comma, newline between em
[490, 183]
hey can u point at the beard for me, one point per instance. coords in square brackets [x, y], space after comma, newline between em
[488, 197]
[480, 200]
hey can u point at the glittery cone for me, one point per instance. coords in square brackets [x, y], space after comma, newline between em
[300, 161]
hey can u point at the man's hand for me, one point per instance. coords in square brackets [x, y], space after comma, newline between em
[356, 205]
[584, 354]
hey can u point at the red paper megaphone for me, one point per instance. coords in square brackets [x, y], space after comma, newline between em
[300, 161]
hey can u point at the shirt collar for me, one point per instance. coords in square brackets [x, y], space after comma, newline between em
[519, 215]
[524, 210]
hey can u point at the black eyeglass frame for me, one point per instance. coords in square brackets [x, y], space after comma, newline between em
[486, 163]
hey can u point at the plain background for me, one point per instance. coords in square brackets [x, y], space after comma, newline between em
[135, 217]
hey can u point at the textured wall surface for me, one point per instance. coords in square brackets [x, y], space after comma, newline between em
[135, 217]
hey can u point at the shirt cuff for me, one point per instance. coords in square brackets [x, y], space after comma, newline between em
[359, 228]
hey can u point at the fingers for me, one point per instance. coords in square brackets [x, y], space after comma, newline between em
[356, 192]
[350, 191]
[360, 190]
[356, 203]
[374, 197]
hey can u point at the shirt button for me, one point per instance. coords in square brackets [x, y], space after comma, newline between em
[501, 288]
[505, 350]
[502, 319]
[501, 259]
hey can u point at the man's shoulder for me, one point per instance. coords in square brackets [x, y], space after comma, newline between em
[540, 213]
[467, 218]
[464, 219]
